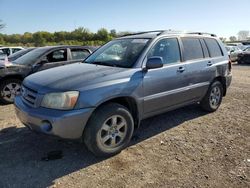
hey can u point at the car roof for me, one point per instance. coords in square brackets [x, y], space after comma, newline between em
[4, 47]
[92, 48]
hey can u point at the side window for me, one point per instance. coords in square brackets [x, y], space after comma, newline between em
[58, 55]
[6, 51]
[168, 49]
[204, 47]
[79, 54]
[191, 49]
[213, 47]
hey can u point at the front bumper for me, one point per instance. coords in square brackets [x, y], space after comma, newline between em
[65, 124]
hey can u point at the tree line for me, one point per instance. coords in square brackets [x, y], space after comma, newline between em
[79, 36]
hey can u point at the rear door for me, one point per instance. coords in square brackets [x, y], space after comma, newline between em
[165, 87]
[199, 64]
[78, 54]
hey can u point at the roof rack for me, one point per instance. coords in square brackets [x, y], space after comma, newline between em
[160, 32]
[144, 32]
[202, 33]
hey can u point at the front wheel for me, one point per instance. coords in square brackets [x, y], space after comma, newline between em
[213, 98]
[9, 89]
[109, 130]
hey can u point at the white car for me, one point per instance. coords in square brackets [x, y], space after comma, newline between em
[233, 52]
[6, 51]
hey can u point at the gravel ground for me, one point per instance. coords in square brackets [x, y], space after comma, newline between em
[182, 148]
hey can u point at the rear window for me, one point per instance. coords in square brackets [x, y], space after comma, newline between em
[213, 48]
[192, 49]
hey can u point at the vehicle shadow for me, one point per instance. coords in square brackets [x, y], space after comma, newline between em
[21, 150]
[241, 65]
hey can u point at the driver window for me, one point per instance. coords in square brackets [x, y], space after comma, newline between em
[168, 49]
[57, 56]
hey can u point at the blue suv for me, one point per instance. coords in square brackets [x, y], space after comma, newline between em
[103, 99]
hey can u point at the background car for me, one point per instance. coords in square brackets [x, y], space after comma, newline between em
[12, 73]
[18, 54]
[9, 50]
[244, 56]
[238, 44]
[233, 52]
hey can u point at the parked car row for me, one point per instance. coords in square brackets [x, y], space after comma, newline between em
[238, 52]
[28, 61]
[103, 99]
[244, 56]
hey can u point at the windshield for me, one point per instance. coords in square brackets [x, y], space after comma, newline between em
[247, 49]
[30, 57]
[121, 53]
[18, 54]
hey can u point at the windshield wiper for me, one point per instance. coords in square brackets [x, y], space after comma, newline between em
[103, 63]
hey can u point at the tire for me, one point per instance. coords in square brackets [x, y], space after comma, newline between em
[104, 134]
[9, 89]
[213, 97]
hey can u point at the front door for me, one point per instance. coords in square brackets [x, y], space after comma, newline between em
[165, 87]
[54, 59]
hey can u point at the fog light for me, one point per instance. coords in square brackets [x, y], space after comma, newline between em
[46, 126]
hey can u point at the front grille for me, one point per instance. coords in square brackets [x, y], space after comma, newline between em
[29, 95]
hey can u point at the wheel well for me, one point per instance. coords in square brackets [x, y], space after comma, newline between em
[222, 80]
[19, 77]
[130, 104]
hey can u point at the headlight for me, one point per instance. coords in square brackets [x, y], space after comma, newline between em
[61, 101]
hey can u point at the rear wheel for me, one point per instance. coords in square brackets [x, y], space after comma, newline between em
[213, 98]
[9, 89]
[109, 130]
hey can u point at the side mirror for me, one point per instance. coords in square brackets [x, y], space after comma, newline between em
[43, 61]
[39, 64]
[154, 62]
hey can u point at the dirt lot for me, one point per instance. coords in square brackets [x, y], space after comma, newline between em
[182, 148]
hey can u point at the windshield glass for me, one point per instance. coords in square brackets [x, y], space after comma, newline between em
[30, 57]
[121, 53]
[18, 54]
[247, 49]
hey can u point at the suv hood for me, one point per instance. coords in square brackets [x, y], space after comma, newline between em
[72, 77]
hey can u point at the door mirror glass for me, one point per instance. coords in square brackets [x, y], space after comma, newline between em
[154, 62]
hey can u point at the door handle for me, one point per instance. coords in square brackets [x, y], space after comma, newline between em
[209, 64]
[181, 69]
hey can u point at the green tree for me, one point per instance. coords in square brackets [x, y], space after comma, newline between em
[27, 38]
[59, 36]
[2, 25]
[113, 33]
[102, 34]
[232, 38]
[38, 39]
[1, 39]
